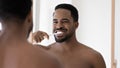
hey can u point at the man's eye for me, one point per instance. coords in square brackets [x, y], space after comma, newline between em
[54, 21]
[65, 21]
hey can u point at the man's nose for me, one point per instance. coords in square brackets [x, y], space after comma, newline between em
[59, 25]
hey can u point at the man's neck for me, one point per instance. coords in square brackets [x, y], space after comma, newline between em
[12, 32]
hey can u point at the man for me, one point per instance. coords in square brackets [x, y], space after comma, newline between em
[15, 50]
[70, 52]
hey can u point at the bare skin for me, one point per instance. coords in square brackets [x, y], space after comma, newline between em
[17, 52]
[77, 56]
[25, 55]
[67, 49]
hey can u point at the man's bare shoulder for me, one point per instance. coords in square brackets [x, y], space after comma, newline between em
[45, 47]
[47, 59]
[42, 46]
[92, 56]
[25, 55]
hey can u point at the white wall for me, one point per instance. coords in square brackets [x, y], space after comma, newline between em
[95, 26]
[36, 12]
[117, 32]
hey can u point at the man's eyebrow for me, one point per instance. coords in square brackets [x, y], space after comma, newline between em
[62, 19]
[65, 19]
[54, 19]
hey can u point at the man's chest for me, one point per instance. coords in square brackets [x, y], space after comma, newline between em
[73, 61]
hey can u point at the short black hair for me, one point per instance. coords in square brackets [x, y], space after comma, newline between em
[71, 8]
[14, 8]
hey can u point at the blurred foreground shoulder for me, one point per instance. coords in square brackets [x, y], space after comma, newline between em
[48, 60]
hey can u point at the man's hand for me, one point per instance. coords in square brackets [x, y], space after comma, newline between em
[39, 36]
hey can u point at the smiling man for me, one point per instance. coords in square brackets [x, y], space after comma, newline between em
[70, 52]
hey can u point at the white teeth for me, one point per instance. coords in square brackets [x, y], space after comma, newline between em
[58, 33]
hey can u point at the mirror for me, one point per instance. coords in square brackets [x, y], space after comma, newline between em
[94, 24]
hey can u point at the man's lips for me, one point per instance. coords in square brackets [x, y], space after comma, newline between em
[58, 33]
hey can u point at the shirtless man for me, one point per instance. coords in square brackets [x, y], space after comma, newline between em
[70, 52]
[15, 50]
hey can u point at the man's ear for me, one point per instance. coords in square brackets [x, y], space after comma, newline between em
[76, 25]
[29, 20]
[29, 23]
[30, 17]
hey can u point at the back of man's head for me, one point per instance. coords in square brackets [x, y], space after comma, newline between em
[14, 9]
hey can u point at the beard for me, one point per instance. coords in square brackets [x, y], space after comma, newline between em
[61, 40]
[67, 37]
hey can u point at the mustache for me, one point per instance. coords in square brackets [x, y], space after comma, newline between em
[61, 28]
